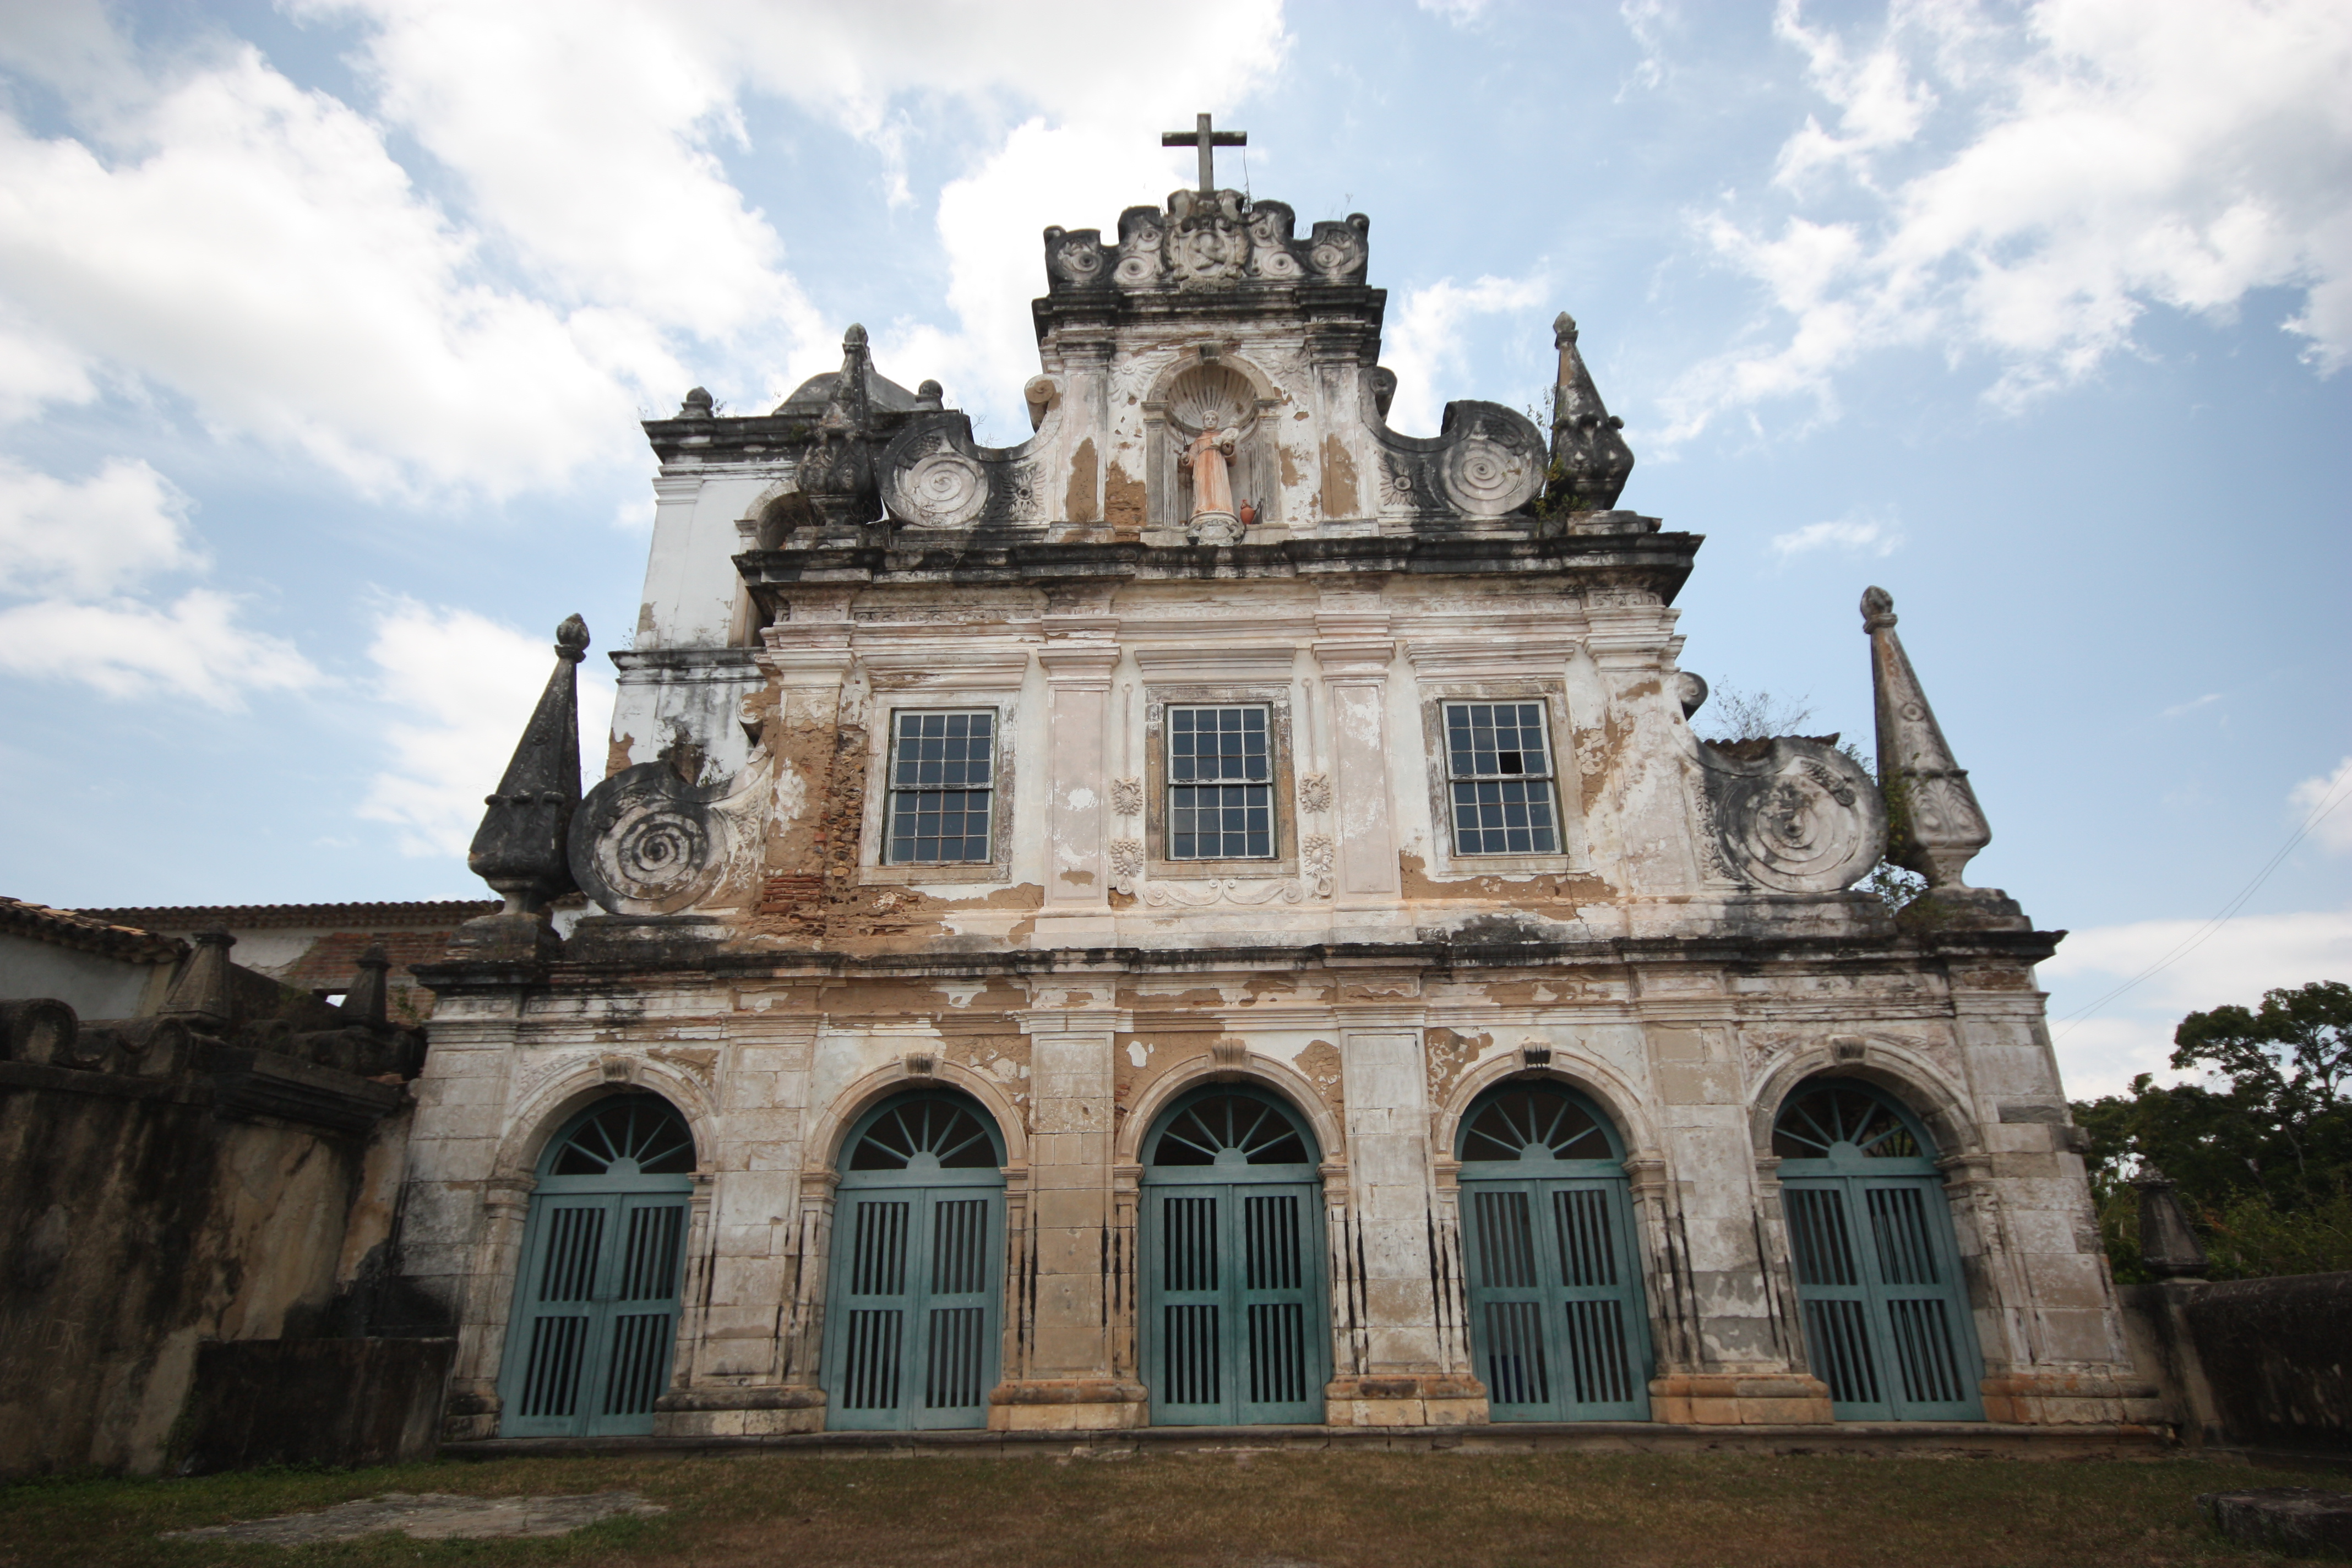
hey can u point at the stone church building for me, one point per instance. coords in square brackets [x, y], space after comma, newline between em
[1215, 915]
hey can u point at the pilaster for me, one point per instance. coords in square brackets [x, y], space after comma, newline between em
[1065, 1372]
[1354, 652]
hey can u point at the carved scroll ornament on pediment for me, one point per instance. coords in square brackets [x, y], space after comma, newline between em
[1486, 461]
[645, 842]
[1217, 240]
[934, 476]
[1792, 813]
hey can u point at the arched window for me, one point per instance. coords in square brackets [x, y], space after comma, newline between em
[1236, 1316]
[915, 1292]
[595, 1316]
[1558, 1323]
[1870, 1238]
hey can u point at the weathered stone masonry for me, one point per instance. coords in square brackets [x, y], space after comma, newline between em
[1683, 951]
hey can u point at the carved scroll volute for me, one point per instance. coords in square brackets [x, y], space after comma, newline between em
[1074, 259]
[1493, 461]
[933, 475]
[1792, 813]
[645, 842]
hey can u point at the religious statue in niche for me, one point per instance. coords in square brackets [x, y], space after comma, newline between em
[1214, 519]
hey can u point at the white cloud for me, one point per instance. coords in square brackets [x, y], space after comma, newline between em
[2334, 829]
[1461, 13]
[1854, 535]
[252, 246]
[2110, 155]
[1423, 341]
[1649, 21]
[2236, 964]
[88, 538]
[459, 689]
[1879, 104]
[2180, 708]
[194, 648]
[255, 247]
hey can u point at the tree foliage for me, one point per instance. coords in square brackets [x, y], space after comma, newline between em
[2261, 1150]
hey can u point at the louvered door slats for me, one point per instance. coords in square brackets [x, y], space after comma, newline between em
[1235, 1316]
[1556, 1317]
[595, 1314]
[911, 1339]
[1885, 1324]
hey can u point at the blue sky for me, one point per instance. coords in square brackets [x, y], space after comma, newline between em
[324, 328]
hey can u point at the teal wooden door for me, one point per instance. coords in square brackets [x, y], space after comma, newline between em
[1887, 1317]
[1236, 1325]
[911, 1330]
[594, 1326]
[1559, 1327]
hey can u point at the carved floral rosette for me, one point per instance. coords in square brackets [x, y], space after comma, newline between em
[644, 842]
[1793, 814]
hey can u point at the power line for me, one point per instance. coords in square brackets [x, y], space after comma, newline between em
[2336, 797]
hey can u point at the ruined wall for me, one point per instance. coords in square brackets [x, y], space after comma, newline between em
[164, 1188]
[2258, 1364]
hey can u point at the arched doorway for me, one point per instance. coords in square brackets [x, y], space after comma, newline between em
[1558, 1326]
[595, 1305]
[1878, 1278]
[1236, 1316]
[918, 1273]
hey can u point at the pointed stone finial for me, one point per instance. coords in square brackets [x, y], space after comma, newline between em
[836, 474]
[2166, 1246]
[519, 848]
[697, 405]
[200, 998]
[1589, 461]
[368, 1000]
[1937, 827]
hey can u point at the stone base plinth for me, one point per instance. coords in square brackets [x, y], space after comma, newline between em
[737, 1412]
[1068, 1404]
[1761, 1399]
[1413, 1401]
[505, 939]
[469, 1415]
[2072, 1399]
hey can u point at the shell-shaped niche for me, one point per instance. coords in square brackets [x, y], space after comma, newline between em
[1207, 392]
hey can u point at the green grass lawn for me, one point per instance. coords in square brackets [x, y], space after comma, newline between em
[1259, 1509]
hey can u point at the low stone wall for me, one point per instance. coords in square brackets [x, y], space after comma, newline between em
[314, 1401]
[2262, 1363]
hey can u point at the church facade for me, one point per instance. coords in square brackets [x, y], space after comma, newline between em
[1215, 915]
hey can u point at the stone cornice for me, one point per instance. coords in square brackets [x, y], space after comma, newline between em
[1657, 562]
[696, 953]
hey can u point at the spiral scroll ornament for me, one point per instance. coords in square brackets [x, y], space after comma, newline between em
[1493, 470]
[1802, 818]
[1074, 260]
[942, 489]
[646, 843]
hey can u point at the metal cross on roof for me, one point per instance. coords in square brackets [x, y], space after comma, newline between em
[1203, 138]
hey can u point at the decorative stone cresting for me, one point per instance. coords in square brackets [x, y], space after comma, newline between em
[1216, 239]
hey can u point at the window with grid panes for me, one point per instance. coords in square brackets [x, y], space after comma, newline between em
[1498, 771]
[1220, 785]
[942, 787]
